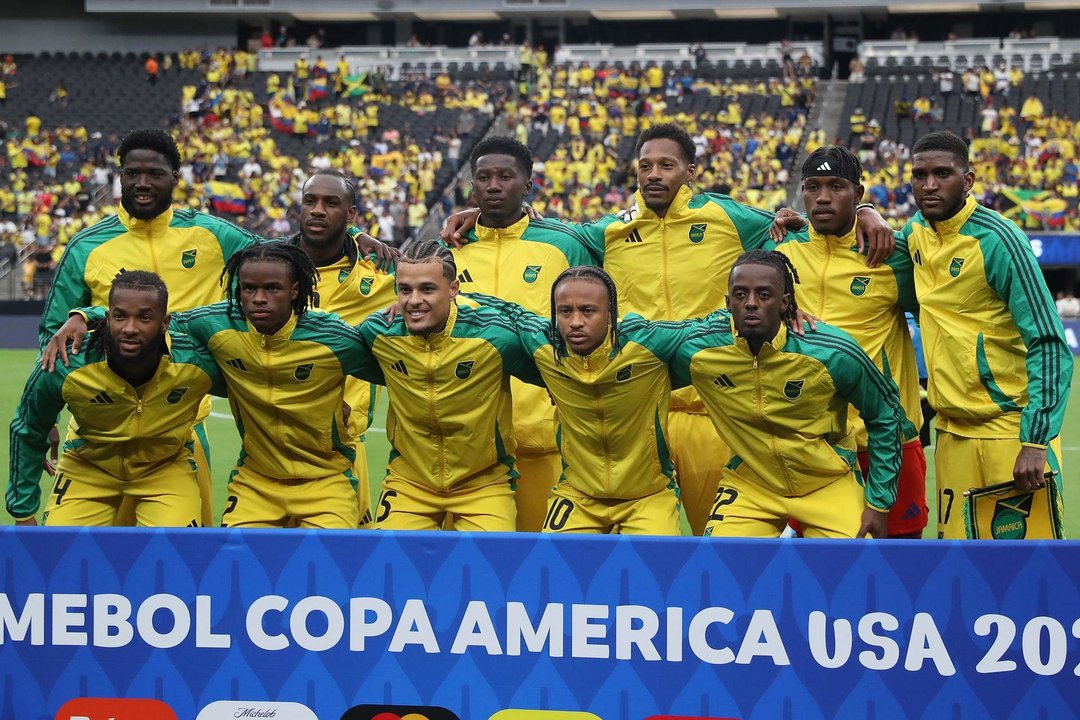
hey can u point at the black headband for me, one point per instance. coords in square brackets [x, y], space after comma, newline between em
[831, 164]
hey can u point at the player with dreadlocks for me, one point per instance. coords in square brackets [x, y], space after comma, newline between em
[135, 398]
[867, 302]
[285, 369]
[781, 402]
[609, 380]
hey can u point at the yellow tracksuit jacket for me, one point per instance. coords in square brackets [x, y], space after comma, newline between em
[519, 263]
[784, 411]
[867, 303]
[187, 248]
[676, 267]
[612, 405]
[125, 432]
[286, 390]
[450, 419]
[353, 288]
[996, 353]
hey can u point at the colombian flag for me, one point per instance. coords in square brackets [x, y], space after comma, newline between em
[226, 197]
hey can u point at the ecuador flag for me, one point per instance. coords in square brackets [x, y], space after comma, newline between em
[226, 197]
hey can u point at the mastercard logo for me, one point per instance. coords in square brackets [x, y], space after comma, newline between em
[398, 712]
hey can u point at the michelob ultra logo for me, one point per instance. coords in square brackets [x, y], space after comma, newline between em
[254, 709]
[115, 709]
[398, 712]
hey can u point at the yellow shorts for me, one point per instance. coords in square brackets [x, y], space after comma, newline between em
[84, 495]
[743, 508]
[406, 506]
[255, 500]
[126, 515]
[699, 456]
[571, 511]
[962, 463]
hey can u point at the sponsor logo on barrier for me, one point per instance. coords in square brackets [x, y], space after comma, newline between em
[245, 709]
[398, 712]
[115, 709]
[543, 715]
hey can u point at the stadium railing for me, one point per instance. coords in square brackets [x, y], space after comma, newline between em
[396, 58]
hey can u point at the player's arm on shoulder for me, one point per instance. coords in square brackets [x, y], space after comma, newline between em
[662, 338]
[904, 272]
[1013, 272]
[877, 399]
[42, 401]
[593, 236]
[69, 290]
[348, 345]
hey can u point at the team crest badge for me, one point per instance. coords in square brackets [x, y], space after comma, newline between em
[343, 275]
[954, 267]
[303, 372]
[532, 272]
[187, 259]
[624, 373]
[859, 283]
[176, 395]
[464, 369]
[793, 389]
[365, 285]
[1010, 518]
[697, 232]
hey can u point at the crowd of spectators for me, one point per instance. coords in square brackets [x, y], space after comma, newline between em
[247, 143]
[1025, 159]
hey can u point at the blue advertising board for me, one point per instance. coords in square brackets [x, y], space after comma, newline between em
[363, 625]
[1056, 248]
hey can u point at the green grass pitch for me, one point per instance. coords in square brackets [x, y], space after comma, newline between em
[15, 366]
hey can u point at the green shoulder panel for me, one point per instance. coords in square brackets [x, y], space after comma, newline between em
[490, 324]
[231, 238]
[345, 341]
[203, 323]
[594, 235]
[1012, 270]
[576, 244]
[712, 331]
[661, 338]
[183, 349]
[70, 289]
[534, 331]
[751, 224]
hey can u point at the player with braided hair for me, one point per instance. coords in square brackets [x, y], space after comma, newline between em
[285, 369]
[609, 380]
[780, 400]
[867, 302]
[135, 399]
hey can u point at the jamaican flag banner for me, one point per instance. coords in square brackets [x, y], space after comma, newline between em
[1001, 512]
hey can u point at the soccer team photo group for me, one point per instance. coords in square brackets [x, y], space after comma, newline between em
[720, 282]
